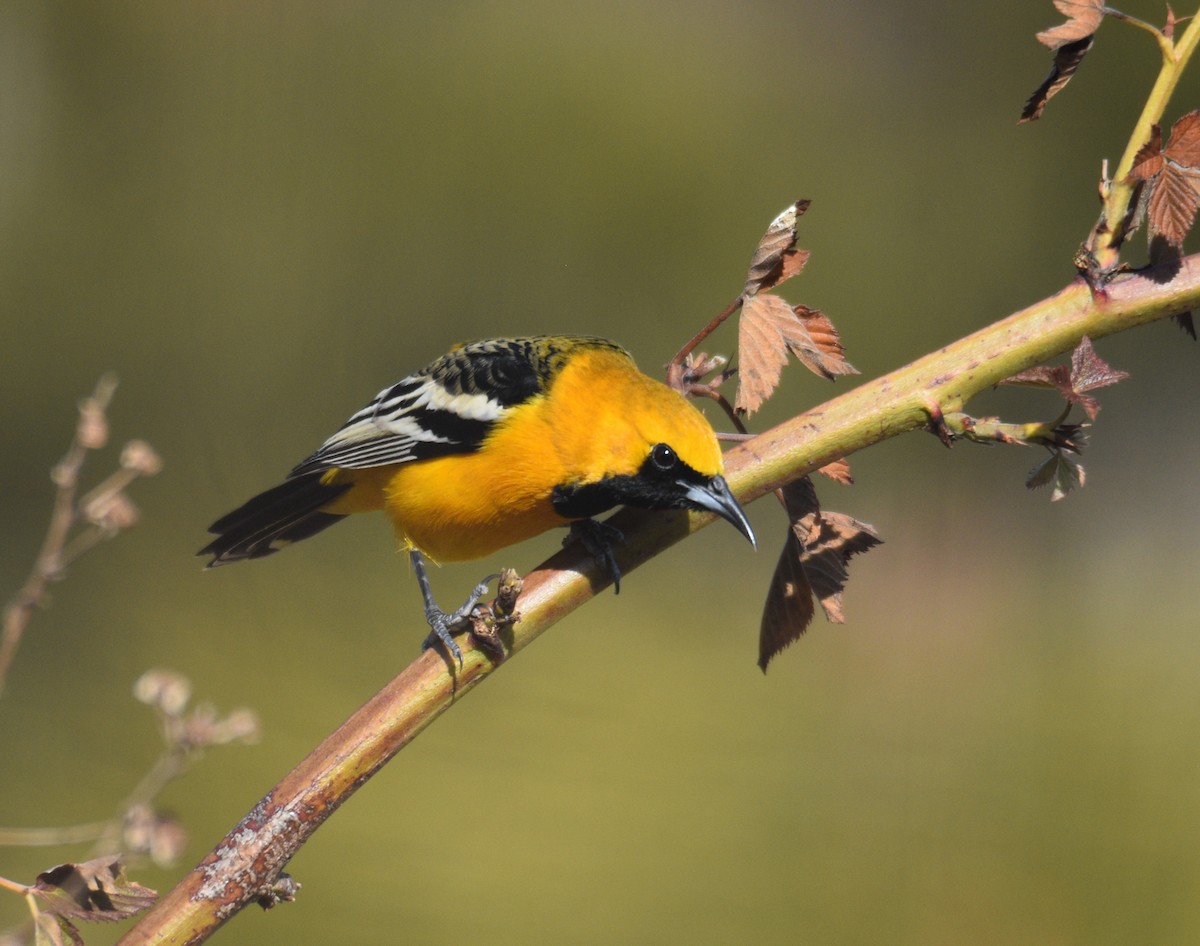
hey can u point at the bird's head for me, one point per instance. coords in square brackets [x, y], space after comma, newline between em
[657, 452]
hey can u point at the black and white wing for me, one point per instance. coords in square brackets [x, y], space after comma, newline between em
[447, 408]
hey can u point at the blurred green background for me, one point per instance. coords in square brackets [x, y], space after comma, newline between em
[260, 214]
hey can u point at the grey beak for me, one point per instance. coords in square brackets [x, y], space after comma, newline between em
[714, 496]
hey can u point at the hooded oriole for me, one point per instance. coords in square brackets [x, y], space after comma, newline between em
[492, 443]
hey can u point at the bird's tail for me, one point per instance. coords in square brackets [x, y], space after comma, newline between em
[271, 520]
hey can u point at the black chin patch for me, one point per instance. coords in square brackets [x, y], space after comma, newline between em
[650, 488]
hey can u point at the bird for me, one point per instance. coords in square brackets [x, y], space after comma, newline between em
[493, 443]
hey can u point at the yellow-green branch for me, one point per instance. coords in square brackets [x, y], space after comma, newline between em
[247, 862]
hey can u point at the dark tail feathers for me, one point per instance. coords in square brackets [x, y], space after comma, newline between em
[287, 513]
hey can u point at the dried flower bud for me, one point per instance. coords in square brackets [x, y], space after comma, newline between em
[163, 689]
[199, 729]
[168, 841]
[112, 512]
[92, 431]
[241, 725]
[153, 833]
[140, 457]
[700, 363]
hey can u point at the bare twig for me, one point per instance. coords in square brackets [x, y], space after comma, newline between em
[707, 330]
[50, 837]
[106, 510]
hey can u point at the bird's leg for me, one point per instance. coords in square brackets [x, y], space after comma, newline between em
[598, 539]
[441, 624]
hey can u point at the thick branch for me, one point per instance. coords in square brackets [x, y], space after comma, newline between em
[248, 860]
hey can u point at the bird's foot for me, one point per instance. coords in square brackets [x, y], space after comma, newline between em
[598, 539]
[443, 625]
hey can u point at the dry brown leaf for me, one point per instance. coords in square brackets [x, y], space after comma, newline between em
[1184, 146]
[54, 930]
[1066, 60]
[1070, 42]
[776, 257]
[1060, 468]
[1083, 19]
[1149, 160]
[827, 357]
[768, 329]
[91, 890]
[1171, 208]
[838, 471]
[789, 607]
[1087, 372]
[832, 540]
[813, 565]
[1172, 179]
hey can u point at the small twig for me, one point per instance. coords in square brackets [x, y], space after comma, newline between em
[702, 390]
[90, 433]
[706, 331]
[1164, 42]
[105, 509]
[51, 837]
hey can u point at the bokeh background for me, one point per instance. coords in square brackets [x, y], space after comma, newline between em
[259, 214]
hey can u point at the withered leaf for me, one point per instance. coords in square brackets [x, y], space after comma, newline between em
[1184, 146]
[1088, 371]
[1061, 469]
[1171, 208]
[838, 471]
[1083, 19]
[53, 930]
[768, 329]
[1149, 160]
[1066, 60]
[832, 540]
[1172, 178]
[813, 565]
[1070, 42]
[800, 501]
[776, 258]
[91, 890]
[789, 607]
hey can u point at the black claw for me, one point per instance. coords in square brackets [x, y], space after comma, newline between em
[598, 539]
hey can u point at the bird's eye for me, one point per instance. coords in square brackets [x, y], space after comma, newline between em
[663, 457]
